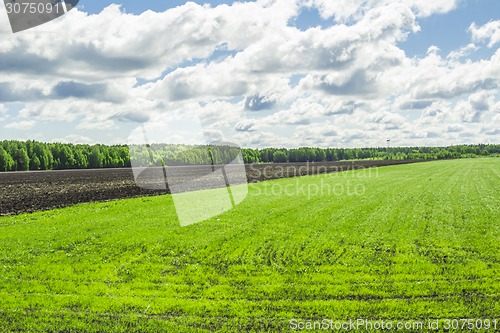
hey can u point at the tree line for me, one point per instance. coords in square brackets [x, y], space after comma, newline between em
[33, 155]
[273, 155]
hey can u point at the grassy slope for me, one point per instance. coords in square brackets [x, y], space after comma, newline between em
[423, 241]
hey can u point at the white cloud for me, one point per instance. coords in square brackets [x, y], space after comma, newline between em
[462, 52]
[270, 84]
[301, 112]
[387, 120]
[433, 77]
[345, 10]
[490, 32]
[477, 104]
[439, 112]
[246, 125]
[21, 125]
[3, 113]
[73, 138]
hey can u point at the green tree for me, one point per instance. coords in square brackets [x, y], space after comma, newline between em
[23, 160]
[35, 163]
[6, 161]
[279, 157]
[96, 158]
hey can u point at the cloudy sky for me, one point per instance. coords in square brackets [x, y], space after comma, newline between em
[282, 73]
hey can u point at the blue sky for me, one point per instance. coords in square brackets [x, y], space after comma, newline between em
[137, 7]
[261, 73]
[449, 31]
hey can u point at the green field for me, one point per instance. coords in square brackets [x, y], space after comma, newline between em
[417, 241]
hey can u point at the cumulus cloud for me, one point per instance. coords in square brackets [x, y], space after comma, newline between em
[406, 104]
[347, 83]
[345, 10]
[301, 112]
[434, 78]
[490, 32]
[462, 52]
[246, 125]
[10, 92]
[471, 110]
[21, 125]
[337, 107]
[455, 128]
[437, 113]
[73, 138]
[3, 113]
[258, 103]
[388, 120]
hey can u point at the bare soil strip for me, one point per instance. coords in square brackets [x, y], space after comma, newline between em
[22, 192]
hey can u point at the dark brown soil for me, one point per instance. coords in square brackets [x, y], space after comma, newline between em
[41, 190]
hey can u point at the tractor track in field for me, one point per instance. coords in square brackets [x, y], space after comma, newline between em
[25, 192]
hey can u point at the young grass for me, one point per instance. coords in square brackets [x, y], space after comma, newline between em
[418, 241]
